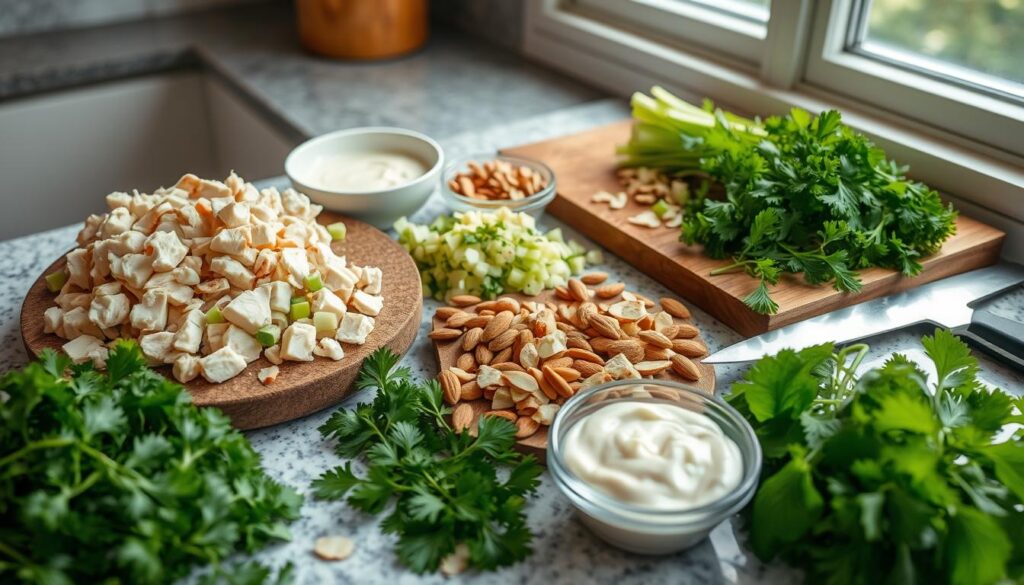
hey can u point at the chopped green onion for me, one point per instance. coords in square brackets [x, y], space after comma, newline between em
[268, 335]
[312, 282]
[337, 231]
[214, 316]
[55, 280]
[297, 300]
[660, 208]
[325, 322]
[300, 310]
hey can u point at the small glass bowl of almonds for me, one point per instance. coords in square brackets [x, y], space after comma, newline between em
[484, 182]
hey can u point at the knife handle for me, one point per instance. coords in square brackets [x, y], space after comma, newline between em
[999, 337]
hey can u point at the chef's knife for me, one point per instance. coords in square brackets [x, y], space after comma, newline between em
[945, 302]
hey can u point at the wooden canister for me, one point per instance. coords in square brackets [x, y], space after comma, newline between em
[362, 29]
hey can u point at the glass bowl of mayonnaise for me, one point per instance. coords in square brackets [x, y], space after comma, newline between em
[652, 466]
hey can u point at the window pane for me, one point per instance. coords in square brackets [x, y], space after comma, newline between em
[980, 41]
[755, 10]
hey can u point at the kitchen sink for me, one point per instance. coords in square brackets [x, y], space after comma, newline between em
[62, 152]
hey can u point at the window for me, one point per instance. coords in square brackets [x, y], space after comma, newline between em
[939, 84]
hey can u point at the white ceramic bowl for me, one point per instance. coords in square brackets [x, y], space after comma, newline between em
[380, 207]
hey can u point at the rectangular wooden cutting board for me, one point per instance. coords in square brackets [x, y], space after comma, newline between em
[585, 164]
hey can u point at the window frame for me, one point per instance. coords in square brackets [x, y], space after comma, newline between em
[984, 181]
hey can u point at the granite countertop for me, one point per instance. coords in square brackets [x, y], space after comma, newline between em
[452, 90]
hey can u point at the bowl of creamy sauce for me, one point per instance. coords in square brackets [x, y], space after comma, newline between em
[376, 174]
[653, 466]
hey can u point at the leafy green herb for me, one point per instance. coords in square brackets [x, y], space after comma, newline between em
[885, 478]
[118, 478]
[802, 194]
[445, 487]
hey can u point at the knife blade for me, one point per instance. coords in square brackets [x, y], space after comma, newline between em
[945, 302]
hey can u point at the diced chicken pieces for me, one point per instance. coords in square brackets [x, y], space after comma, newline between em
[118, 199]
[78, 349]
[354, 328]
[296, 263]
[167, 250]
[214, 287]
[280, 296]
[238, 275]
[197, 187]
[324, 300]
[110, 288]
[263, 235]
[134, 269]
[273, 354]
[53, 320]
[265, 263]
[222, 365]
[268, 375]
[367, 304]
[127, 243]
[151, 313]
[157, 347]
[118, 221]
[235, 215]
[297, 204]
[186, 368]
[487, 376]
[214, 337]
[297, 342]
[190, 334]
[250, 310]
[186, 276]
[231, 241]
[109, 310]
[76, 323]
[371, 280]
[79, 261]
[329, 348]
[244, 344]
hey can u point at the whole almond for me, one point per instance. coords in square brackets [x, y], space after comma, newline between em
[563, 293]
[605, 326]
[498, 325]
[585, 312]
[527, 406]
[561, 361]
[464, 300]
[485, 312]
[483, 355]
[471, 338]
[689, 347]
[466, 362]
[486, 306]
[585, 368]
[507, 304]
[557, 382]
[600, 344]
[578, 343]
[650, 368]
[446, 312]
[444, 334]
[654, 353]
[632, 349]
[462, 375]
[544, 386]
[568, 374]
[507, 366]
[594, 277]
[607, 291]
[675, 308]
[471, 391]
[582, 354]
[685, 368]
[462, 417]
[655, 338]
[478, 321]
[458, 320]
[451, 386]
[578, 290]
[503, 340]
[672, 331]
[525, 427]
[505, 414]
[504, 355]
[686, 331]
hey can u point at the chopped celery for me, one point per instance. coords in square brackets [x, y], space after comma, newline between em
[300, 310]
[325, 322]
[268, 335]
[297, 300]
[313, 282]
[337, 231]
[660, 208]
[55, 280]
[214, 316]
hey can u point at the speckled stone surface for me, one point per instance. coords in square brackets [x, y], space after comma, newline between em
[565, 552]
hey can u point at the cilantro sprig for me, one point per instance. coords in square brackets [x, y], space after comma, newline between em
[117, 478]
[885, 478]
[802, 194]
[439, 488]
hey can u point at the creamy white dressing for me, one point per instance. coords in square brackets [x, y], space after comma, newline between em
[653, 455]
[365, 171]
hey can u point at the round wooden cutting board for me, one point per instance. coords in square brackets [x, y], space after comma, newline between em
[302, 387]
[448, 353]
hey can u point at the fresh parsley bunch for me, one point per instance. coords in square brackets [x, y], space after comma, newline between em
[885, 478]
[117, 478]
[802, 194]
[445, 486]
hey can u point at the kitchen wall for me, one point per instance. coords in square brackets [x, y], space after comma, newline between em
[28, 16]
[497, 21]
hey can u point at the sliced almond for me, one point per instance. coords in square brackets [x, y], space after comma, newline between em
[526, 426]
[521, 380]
[567, 373]
[334, 548]
[462, 375]
[557, 382]
[651, 368]
[507, 366]
[628, 310]
[505, 414]
[582, 354]
[528, 356]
